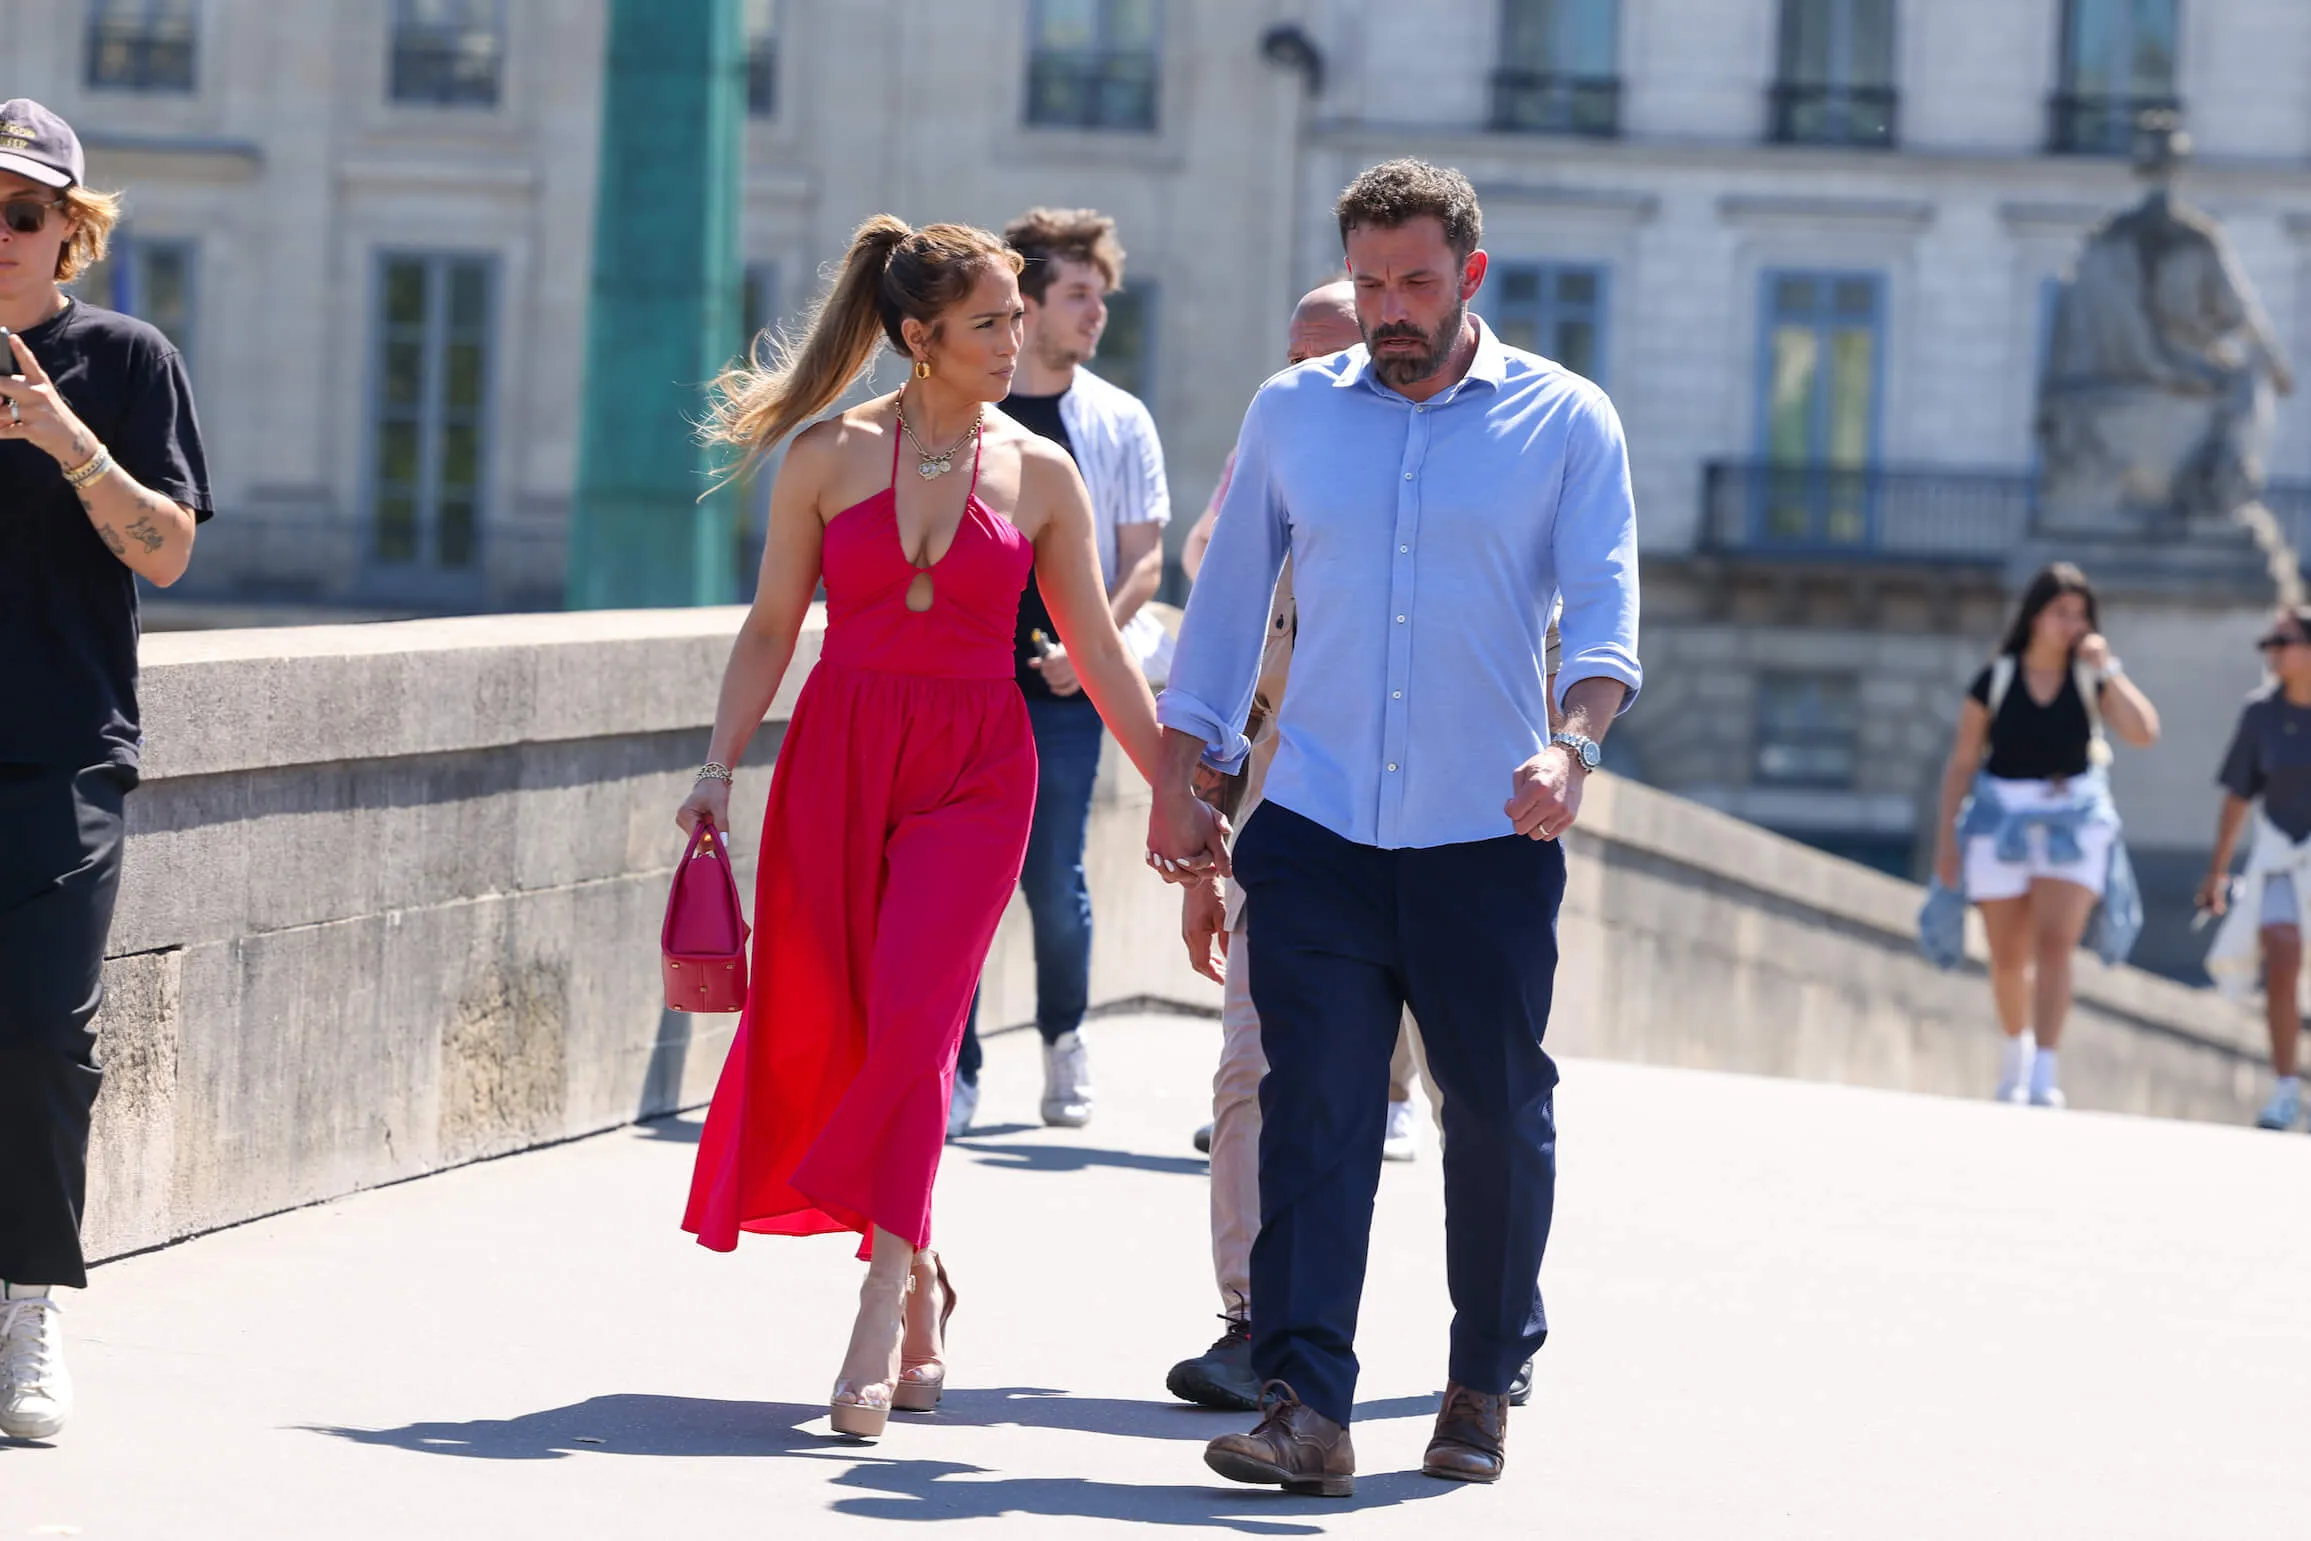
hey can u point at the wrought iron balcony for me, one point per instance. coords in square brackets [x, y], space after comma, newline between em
[2099, 123]
[1942, 517]
[1538, 102]
[1092, 88]
[1860, 116]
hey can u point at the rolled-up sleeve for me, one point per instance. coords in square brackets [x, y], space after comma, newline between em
[1217, 663]
[1594, 549]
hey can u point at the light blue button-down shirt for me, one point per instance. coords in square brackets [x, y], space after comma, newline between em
[1429, 541]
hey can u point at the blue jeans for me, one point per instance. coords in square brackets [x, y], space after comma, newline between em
[1068, 734]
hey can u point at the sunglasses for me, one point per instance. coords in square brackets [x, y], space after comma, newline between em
[25, 216]
[2278, 641]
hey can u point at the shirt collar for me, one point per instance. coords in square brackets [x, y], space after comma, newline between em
[1489, 367]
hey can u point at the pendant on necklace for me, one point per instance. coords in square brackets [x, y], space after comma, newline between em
[931, 468]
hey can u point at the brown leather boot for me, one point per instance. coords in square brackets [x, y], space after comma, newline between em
[1293, 1444]
[1472, 1434]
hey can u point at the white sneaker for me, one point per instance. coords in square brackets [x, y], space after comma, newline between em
[1398, 1144]
[35, 1388]
[2048, 1097]
[962, 1108]
[1067, 1082]
[2285, 1106]
[2015, 1056]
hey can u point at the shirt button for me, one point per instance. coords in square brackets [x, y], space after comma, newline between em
[1404, 548]
[1392, 765]
[1408, 476]
[1396, 695]
[1400, 620]
[1422, 407]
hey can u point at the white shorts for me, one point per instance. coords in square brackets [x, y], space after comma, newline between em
[1989, 878]
[2279, 908]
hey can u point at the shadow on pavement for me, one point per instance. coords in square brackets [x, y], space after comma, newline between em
[947, 1490]
[639, 1424]
[674, 1128]
[636, 1423]
[1074, 1158]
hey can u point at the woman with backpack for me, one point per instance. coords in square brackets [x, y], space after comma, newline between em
[2026, 814]
[2268, 771]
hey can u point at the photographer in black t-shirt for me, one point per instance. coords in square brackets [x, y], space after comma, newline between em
[101, 481]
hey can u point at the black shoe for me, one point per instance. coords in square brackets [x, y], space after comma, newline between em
[1521, 1389]
[1221, 1376]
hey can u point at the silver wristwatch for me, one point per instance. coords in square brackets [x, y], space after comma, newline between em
[1584, 748]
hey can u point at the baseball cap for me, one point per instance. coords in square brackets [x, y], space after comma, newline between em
[35, 142]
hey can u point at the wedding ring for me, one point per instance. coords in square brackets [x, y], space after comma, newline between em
[14, 416]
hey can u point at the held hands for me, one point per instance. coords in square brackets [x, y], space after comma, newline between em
[1545, 794]
[710, 799]
[1204, 927]
[36, 414]
[1187, 838]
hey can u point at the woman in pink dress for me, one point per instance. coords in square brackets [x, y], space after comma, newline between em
[900, 801]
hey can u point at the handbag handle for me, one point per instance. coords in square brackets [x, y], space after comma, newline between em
[703, 833]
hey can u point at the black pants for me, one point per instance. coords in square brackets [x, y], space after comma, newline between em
[1343, 937]
[60, 840]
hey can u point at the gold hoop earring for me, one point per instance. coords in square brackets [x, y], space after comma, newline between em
[922, 369]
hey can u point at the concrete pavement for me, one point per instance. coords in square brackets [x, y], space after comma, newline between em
[1782, 1310]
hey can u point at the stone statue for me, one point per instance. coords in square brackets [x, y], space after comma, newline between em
[2156, 402]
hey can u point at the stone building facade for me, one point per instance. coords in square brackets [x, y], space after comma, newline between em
[1807, 245]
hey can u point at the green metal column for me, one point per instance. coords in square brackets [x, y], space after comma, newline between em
[664, 313]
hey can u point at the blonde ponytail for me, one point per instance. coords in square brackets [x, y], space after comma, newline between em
[752, 407]
[891, 274]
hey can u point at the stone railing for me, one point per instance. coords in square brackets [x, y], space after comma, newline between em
[393, 893]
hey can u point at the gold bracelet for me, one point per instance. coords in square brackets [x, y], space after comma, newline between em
[89, 470]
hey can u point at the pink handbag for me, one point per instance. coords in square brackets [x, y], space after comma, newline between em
[703, 943]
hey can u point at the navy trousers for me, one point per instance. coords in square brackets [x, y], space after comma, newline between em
[1344, 936]
[60, 843]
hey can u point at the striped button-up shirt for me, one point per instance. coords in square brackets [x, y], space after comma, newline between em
[1429, 541]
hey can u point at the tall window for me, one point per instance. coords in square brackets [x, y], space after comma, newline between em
[448, 53]
[1127, 347]
[1821, 358]
[1837, 73]
[1558, 72]
[762, 58]
[1554, 309]
[1808, 729]
[431, 406]
[142, 45]
[1094, 64]
[2118, 62]
[758, 306]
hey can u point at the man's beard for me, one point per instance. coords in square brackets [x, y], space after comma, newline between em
[1398, 369]
[1064, 355]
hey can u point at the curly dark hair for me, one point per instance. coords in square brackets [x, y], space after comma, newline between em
[1070, 235]
[1394, 193]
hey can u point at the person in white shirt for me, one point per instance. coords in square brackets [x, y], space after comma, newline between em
[1073, 263]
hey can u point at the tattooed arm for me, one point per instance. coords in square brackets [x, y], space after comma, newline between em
[152, 536]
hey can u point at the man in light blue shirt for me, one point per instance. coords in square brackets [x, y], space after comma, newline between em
[1436, 491]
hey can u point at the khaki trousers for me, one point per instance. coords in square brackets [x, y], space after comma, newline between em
[1236, 1125]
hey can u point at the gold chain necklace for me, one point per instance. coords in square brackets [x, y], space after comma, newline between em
[932, 465]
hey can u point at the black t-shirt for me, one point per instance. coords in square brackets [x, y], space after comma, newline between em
[1038, 414]
[2270, 758]
[2029, 742]
[68, 620]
